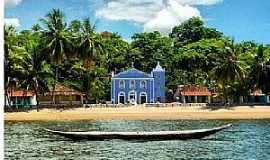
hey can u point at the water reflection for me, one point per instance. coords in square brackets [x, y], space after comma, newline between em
[244, 140]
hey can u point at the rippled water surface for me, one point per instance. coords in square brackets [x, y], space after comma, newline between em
[244, 140]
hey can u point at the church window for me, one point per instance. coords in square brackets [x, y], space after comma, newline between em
[121, 84]
[132, 84]
[143, 84]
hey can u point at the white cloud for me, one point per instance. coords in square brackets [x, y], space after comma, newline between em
[132, 10]
[12, 21]
[171, 16]
[159, 15]
[11, 3]
[199, 2]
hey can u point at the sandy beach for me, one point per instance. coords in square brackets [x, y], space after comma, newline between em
[143, 113]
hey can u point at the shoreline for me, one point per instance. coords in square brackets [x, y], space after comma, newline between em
[142, 113]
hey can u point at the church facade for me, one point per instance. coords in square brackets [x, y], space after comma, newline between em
[137, 87]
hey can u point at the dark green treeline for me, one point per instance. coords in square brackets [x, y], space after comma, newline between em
[77, 55]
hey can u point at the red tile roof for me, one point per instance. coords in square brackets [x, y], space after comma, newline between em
[192, 90]
[20, 93]
[60, 89]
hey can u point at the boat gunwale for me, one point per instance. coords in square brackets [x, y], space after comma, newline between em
[185, 134]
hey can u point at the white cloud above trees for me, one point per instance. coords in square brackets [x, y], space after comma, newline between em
[11, 3]
[12, 21]
[160, 15]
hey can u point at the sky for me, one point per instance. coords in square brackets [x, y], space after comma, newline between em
[243, 20]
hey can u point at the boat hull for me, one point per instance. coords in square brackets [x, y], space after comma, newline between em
[158, 135]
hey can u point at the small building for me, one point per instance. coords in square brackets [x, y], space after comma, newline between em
[258, 97]
[63, 95]
[21, 98]
[135, 86]
[193, 94]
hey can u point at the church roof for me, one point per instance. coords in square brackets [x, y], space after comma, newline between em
[132, 73]
[158, 68]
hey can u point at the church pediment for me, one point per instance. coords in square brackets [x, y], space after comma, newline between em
[132, 73]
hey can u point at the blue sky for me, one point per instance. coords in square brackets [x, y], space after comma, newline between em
[240, 19]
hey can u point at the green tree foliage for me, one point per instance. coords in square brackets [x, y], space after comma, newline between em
[152, 47]
[196, 60]
[75, 26]
[118, 51]
[90, 47]
[260, 69]
[56, 36]
[35, 72]
[80, 57]
[192, 30]
[228, 69]
[15, 57]
[56, 40]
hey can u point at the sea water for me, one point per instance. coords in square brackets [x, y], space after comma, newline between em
[246, 139]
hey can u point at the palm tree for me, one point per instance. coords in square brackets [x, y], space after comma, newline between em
[98, 80]
[91, 82]
[36, 28]
[35, 72]
[228, 68]
[75, 26]
[15, 56]
[90, 47]
[56, 39]
[260, 70]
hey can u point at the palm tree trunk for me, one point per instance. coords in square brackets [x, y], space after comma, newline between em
[81, 96]
[241, 99]
[7, 98]
[23, 98]
[11, 93]
[36, 92]
[6, 91]
[56, 79]
[37, 99]
[224, 93]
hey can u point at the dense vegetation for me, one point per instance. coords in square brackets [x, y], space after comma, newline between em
[75, 54]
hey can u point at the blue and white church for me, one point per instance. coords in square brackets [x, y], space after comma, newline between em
[137, 87]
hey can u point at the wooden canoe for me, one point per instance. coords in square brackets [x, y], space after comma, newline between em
[156, 135]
